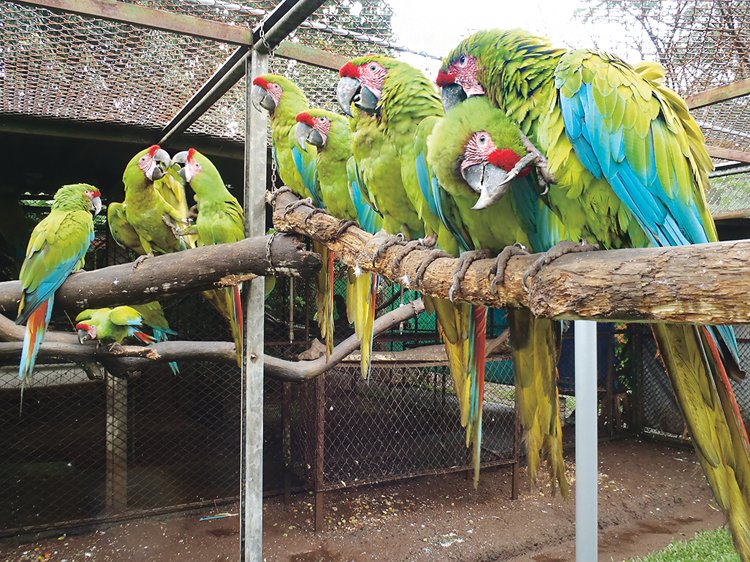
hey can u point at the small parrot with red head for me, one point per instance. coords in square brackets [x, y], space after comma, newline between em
[630, 169]
[57, 247]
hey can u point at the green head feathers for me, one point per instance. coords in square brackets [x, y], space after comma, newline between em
[77, 197]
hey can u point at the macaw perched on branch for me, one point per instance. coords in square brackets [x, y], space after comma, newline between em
[220, 220]
[630, 169]
[475, 145]
[398, 97]
[329, 133]
[57, 247]
[295, 161]
[153, 210]
[114, 325]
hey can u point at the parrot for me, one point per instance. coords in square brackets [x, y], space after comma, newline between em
[151, 215]
[170, 187]
[220, 220]
[329, 133]
[296, 163]
[397, 97]
[630, 169]
[57, 247]
[113, 325]
[476, 143]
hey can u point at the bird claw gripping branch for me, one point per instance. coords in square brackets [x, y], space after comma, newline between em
[462, 266]
[557, 251]
[497, 271]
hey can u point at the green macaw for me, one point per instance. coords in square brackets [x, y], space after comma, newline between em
[148, 213]
[220, 220]
[114, 325]
[170, 187]
[397, 97]
[473, 145]
[630, 170]
[295, 161]
[57, 247]
[329, 133]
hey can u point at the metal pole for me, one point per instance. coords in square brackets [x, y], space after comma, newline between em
[251, 445]
[586, 442]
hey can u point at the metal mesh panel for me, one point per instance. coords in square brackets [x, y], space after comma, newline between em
[656, 406]
[401, 422]
[729, 193]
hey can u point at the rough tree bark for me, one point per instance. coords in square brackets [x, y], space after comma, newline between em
[182, 272]
[702, 284]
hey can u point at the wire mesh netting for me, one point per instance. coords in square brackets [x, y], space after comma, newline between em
[401, 422]
[656, 409]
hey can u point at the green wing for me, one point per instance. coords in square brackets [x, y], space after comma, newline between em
[122, 231]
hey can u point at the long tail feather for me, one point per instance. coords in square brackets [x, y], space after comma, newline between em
[36, 326]
[699, 379]
[324, 296]
[235, 297]
[361, 303]
[477, 360]
[163, 335]
[535, 366]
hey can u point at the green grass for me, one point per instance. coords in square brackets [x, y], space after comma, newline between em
[707, 545]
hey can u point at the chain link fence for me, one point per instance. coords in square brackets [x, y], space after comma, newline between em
[656, 410]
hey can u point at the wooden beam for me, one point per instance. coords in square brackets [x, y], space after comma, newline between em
[720, 94]
[311, 55]
[699, 284]
[728, 153]
[143, 16]
[189, 271]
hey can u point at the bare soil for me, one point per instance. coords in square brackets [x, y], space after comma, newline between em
[649, 494]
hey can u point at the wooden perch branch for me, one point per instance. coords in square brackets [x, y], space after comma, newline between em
[702, 284]
[59, 345]
[182, 272]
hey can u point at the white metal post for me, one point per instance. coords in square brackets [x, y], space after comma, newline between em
[586, 442]
[251, 446]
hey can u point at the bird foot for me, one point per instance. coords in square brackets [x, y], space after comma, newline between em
[192, 212]
[431, 257]
[540, 162]
[387, 243]
[307, 202]
[557, 251]
[315, 211]
[344, 226]
[277, 192]
[409, 247]
[462, 266]
[429, 241]
[115, 348]
[140, 259]
[497, 272]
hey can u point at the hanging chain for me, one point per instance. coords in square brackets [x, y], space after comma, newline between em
[264, 42]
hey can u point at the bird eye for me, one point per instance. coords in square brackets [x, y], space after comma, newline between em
[142, 159]
[482, 139]
[373, 68]
[198, 166]
[462, 60]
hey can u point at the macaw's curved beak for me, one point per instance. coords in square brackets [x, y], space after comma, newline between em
[307, 134]
[85, 332]
[83, 336]
[346, 92]
[96, 205]
[452, 94]
[181, 160]
[490, 181]
[161, 163]
[261, 99]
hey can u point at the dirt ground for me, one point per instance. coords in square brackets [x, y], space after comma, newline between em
[649, 494]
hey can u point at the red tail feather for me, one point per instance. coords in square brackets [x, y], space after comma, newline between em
[480, 346]
[144, 337]
[237, 298]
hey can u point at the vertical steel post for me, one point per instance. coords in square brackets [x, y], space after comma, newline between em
[586, 442]
[251, 445]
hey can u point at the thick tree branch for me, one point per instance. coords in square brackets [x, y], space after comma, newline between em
[58, 345]
[182, 272]
[703, 284]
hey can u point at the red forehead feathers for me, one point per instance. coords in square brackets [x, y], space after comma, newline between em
[82, 326]
[191, 153]
[445, 78]
[506, 159]
[349, 71]
[305, 118]
[260, 81]
[95, 193]
[152, 150]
